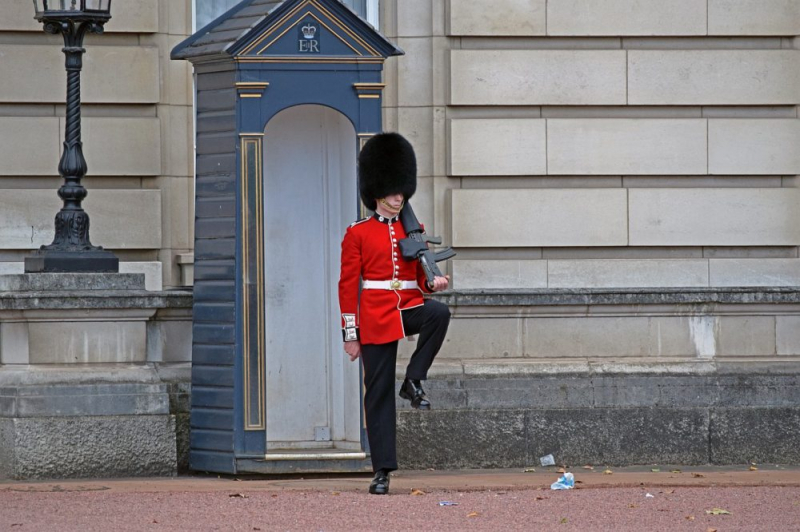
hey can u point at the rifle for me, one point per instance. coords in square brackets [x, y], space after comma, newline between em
[414, 246]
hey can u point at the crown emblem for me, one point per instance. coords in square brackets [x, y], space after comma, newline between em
[309, 31]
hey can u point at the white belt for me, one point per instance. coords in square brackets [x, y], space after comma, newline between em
[389, 285]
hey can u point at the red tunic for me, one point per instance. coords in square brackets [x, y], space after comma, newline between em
[370, 252]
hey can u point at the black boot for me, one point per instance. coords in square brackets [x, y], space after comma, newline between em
[380, 484]
[412, 391]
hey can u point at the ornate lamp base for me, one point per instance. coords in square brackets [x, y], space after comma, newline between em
[100, 261]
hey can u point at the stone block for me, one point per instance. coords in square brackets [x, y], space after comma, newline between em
[31, 145]
[483, 338]
[537, 77]
[120, 219]
[626, 18]
[14, 348]
[761, 435]
[135, 79]
[512, 274]
[755, 272]
[91, 447]
[83, 342]
[537, 218]
[415, 123]
[563, 391]
[476, 439]
[519, 18]
[624, 392]
[599, 337]
[75, 400]
[177, 211]
[746, 336]
[177, 145]
[497, 147]
[626, 147]
[122, 146]
[753, 17]
[169, 338]
[753, 147]
[134, 17]
[151, 271]
[415, 73]
[653, 273]
[414, 19]
[619, 436]
[713, 77]
[787, 332]
[750, 390]
[714, 217]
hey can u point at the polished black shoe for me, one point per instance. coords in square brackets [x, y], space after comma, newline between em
[380, 484]
[412, 390]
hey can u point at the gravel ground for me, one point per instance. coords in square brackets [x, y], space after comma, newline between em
[88, 508]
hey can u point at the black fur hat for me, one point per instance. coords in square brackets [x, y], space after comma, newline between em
[387, 165]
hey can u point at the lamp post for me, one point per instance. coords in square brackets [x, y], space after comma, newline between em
[71, 250]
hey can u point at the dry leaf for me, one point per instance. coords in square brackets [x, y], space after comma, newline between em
[753, 468]
[632, 506]
[335, 493]
[698, 475]
[541, 498]
[690, 518]
[563, 521]
[238, 496]
[608, 472]
[711, 529]
[588, 467]
[718, 511]
[676, 471]
[415, 491]
[656, 470]
[530, 470]
[561, 470]
[274, 495]
[473, 514]
[670, 491]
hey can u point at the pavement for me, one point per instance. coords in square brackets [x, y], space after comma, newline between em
[656, 497]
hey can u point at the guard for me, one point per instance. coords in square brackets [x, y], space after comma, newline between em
[390, 304]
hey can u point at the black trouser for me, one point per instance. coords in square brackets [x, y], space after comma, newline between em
[430, 321]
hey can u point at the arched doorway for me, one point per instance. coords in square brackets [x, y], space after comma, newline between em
[310, 197]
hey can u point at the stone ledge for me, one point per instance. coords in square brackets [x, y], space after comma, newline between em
[60, 282]
[95, 299]
[503, 368]
[628, 296]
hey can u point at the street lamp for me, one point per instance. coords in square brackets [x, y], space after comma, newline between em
[71, 250]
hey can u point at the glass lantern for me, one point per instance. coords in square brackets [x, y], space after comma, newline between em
[52, 7]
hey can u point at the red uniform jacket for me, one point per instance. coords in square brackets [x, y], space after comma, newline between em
[370, 252]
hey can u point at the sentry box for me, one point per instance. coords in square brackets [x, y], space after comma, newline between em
[287, 93]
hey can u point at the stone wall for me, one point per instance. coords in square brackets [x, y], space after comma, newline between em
[137, 134]
[603, 144]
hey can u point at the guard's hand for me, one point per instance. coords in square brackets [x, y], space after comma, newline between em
[353, 349]
[440, 283]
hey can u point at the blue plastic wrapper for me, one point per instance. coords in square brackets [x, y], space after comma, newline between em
[567, 482]
[448, 503]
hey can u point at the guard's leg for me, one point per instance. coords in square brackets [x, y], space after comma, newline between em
[379, 404]
[430, 321]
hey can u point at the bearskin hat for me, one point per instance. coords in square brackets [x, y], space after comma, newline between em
[387, 165]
